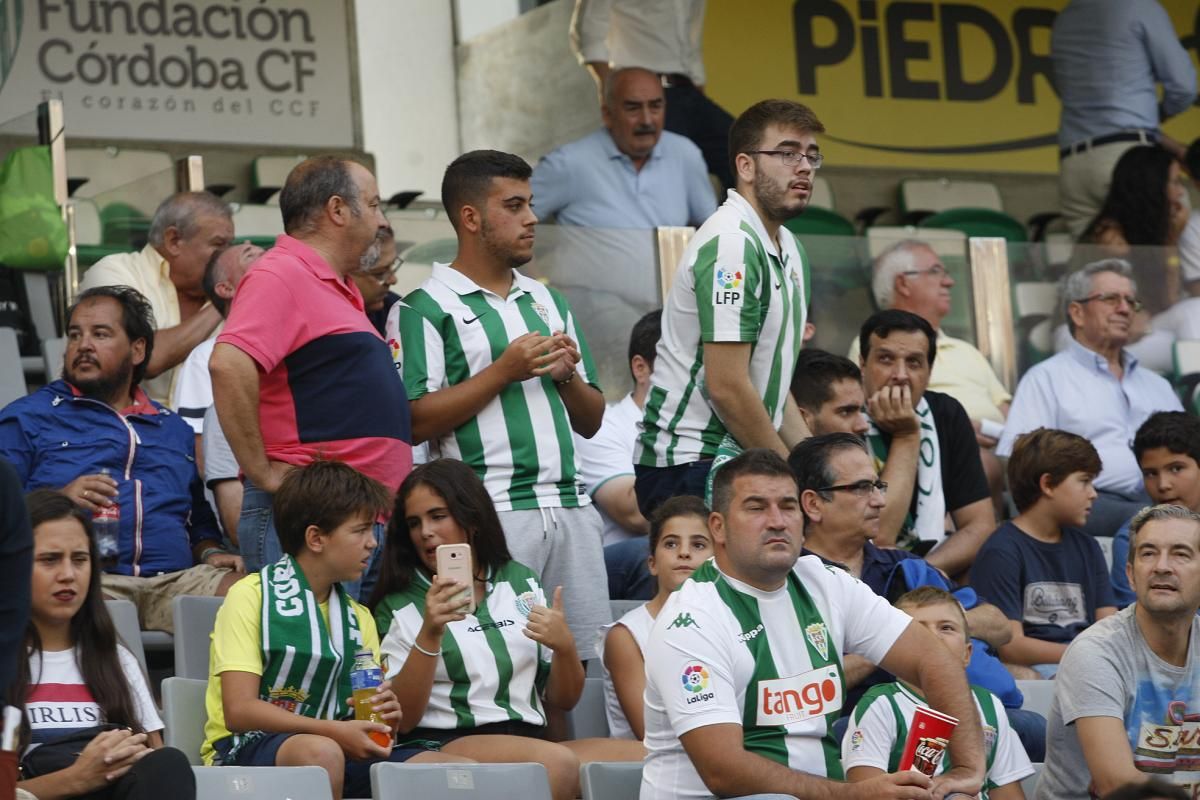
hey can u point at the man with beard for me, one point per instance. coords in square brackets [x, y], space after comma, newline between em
[1125, 699]
[298, 356]
[98, 437]
[734, 319]
[498, 376]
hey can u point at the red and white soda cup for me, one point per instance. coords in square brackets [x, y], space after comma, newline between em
[928, 736]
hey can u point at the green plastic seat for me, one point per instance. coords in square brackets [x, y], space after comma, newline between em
[978, 222]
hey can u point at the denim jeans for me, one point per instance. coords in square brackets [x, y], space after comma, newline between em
[629, 575]
[1030, 728]
[260, 546]
[656, 485]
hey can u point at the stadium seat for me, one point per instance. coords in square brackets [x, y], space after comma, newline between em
[390, 781]
[12, 374]
[194, 618]
[1186, 356]
[1029, 785]
[1106, 545]
[125, 618]
[919, 196]
[262, 783]
[268, 174]
[184, 715]
[612, 780]
[978, 222]
[108, 168]
[620, 608]
[53, 350]
[258, 223]
[587, 719]
[1034, 304]
[1038, 696]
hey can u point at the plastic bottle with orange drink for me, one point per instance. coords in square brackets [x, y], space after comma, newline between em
[365, 679]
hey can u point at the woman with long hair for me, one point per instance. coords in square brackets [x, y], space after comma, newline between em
[477, 684]
[679, 543]
[1146, 205]
[86, 699]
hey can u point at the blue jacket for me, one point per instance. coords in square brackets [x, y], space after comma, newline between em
[53, 436]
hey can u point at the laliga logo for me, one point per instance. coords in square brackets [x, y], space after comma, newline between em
[695, 681]
[727, 287]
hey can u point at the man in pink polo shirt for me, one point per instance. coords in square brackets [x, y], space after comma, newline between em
[299, 360]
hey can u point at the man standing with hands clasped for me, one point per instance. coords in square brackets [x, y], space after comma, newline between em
[499, 376]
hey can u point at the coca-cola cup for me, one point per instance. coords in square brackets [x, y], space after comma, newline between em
[928, 736]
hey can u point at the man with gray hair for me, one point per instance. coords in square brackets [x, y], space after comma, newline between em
[909, 276]
[1127, 691]
[630, 174]
[187, 229]
[1095, 388]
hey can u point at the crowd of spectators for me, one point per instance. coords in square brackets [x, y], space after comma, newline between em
[823, 544]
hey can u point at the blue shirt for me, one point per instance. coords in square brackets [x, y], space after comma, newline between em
[1074, 391]
[1122, 591]
[1108, 55]
[590, 183]
[1052, 589]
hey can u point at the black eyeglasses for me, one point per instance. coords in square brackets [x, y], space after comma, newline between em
[791, 158]
[860, 489]
[1113, 299]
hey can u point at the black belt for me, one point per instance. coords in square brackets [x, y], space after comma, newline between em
[672, 79]
[1145, 137]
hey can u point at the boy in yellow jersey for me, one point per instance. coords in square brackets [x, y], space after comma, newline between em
[284, 641]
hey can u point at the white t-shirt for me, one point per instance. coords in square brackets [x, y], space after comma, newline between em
[718, 639]
[638, 623]
[1182, 320]
[60, 702]
[1189, 249]
[879, 728]
[608, 455]
[192, 393]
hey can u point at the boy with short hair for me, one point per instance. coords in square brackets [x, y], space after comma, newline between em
[879, 726]
[1167, 448]
[284, 640]
[1047, 576]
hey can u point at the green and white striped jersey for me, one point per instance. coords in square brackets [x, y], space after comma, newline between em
[879, 729]
[722, 651]
[732, 285]
[489, 670]
[450, 329]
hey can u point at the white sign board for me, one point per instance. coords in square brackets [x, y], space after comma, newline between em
[239, 71]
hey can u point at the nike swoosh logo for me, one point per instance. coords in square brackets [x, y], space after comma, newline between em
[779, 286]
[466, 321]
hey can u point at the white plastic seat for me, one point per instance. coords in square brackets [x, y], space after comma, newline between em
[1038, 696]
[588, 719]
[610, 780]
[184, 715]
[194, 617]
[940, 194]
[262, 783]
[12, 373]
[390, 781]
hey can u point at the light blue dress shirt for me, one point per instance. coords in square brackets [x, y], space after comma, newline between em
[1108, 55]
[1074, 391]
[589, 182]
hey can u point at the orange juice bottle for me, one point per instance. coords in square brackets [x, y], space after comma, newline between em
[365, 680]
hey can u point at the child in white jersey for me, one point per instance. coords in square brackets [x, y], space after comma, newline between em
[879, 725]
[679, 543]
[477, 684]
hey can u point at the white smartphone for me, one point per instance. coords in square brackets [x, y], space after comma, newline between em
[454, 561]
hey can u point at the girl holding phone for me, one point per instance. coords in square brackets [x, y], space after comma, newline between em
[477, 684]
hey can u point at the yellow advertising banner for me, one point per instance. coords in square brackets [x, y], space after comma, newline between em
[910, 83]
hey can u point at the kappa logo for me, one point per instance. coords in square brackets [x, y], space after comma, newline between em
[784, 701]
[684, 620]
[727, 287]
[751, 634]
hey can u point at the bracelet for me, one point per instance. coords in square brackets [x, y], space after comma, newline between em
[426, 652]
[208, 551]
[570, 378]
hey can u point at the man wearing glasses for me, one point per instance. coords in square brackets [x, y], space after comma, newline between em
[1095, 388]
[734, 319]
